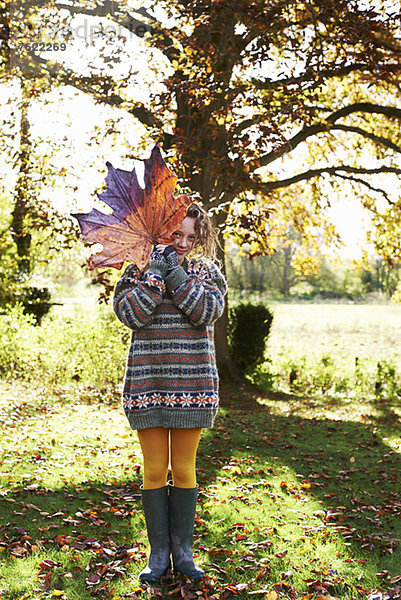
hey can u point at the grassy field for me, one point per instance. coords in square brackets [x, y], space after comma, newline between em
[370, 331]
[299, 489]
[298, 498]
[363, 330]
[346, 349]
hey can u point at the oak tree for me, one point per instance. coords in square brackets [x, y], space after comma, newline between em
[263, 107]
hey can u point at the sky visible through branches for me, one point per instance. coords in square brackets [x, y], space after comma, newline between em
[88, 38]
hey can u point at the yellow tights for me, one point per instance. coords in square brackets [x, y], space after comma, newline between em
[162, 448]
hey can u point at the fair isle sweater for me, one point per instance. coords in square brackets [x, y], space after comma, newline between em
[171, 377]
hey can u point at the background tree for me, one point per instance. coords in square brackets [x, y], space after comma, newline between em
[378, 276]
[247, 84]
[35, 226]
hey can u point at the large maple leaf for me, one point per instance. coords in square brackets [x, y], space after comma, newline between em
[141, 217]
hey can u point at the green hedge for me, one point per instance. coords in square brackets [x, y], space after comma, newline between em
[91, 346]
[249, 328]
[88, 347]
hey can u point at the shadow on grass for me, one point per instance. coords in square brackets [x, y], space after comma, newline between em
[345, 465]
[77, 538]
[93, 532]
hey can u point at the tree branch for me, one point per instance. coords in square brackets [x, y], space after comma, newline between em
[388, 111]
[88, 85]
[268, 186]
[326, 126]
[324, 74]
[378, 139]
[368, 185]
[101, 88]
[110, 8]
[384, 40]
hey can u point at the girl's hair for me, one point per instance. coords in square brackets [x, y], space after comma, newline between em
[206, 235]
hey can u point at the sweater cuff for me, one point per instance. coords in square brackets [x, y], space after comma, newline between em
[158, 267]
[176, 278]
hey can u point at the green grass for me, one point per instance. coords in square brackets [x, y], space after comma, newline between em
[299, 487]
[335, 349]
[298, 496]
[350, 350]
[363, 330]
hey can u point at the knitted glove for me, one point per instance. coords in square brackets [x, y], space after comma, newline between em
[171, 258]
[156, 255]
[158, 264]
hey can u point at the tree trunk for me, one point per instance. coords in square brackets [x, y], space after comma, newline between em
[286, 278]
[227, 368]
[246, 269]
[21, 236]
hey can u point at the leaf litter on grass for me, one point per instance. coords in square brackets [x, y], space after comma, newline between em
[289, 506]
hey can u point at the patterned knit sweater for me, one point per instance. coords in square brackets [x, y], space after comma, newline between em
[171, 378]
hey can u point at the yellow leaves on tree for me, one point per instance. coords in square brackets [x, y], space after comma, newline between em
[288, 220]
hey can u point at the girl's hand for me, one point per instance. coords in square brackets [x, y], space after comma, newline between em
[166, 253]
[170, 256]
[159, 253]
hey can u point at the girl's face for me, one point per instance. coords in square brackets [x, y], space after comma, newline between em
[184, 238]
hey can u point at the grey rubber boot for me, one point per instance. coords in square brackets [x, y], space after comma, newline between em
[182, 518]
[156, 509]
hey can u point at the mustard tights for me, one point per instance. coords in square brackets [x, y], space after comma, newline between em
[162, 448]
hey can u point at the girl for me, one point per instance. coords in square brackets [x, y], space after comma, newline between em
[171, 381]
